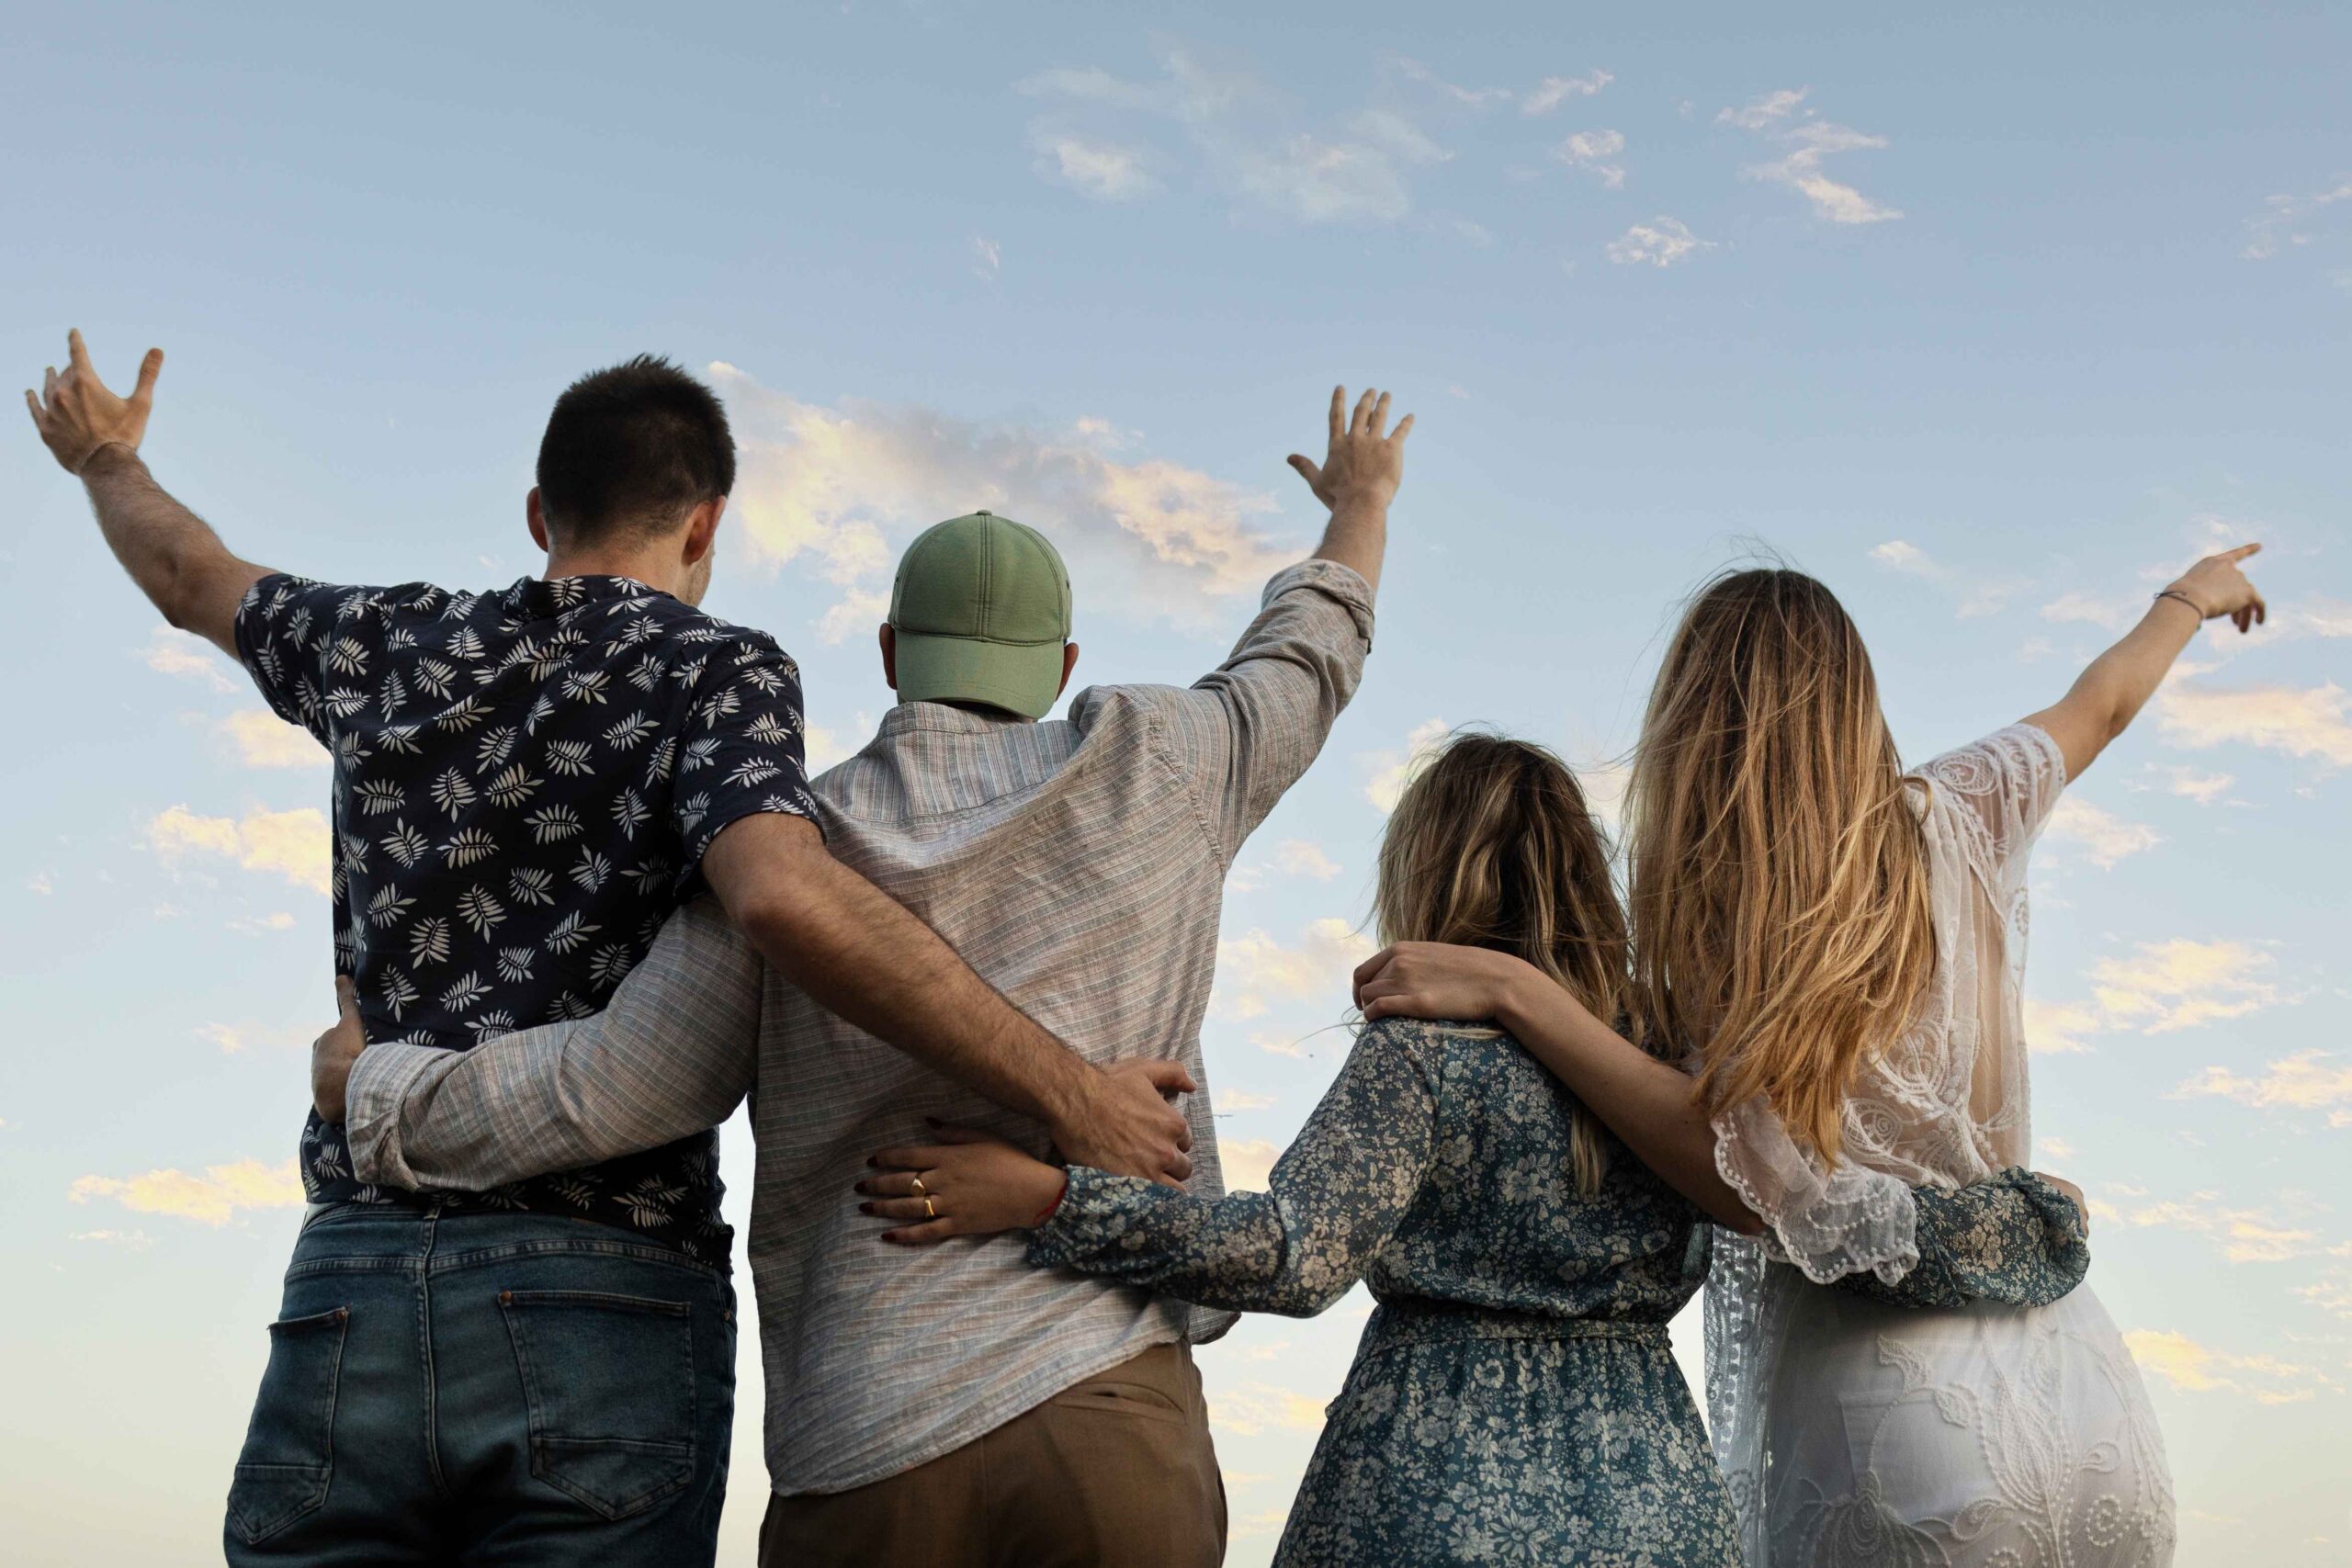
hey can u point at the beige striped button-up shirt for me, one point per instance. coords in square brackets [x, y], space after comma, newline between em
[1079, 865]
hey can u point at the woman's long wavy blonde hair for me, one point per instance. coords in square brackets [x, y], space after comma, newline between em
[1778, 881]
[1492, 845]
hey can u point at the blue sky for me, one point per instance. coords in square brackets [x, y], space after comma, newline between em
[1992, 319]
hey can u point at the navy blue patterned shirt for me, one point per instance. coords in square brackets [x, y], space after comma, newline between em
[524, 783]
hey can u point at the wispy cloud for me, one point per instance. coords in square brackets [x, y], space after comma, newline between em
[2307, 1080]
[2242, 1235]
[292, 844]
[1975, 596]
[2106, 838]
[1239, 136]
[212, 1198]
[187, 656]
[1661, 241]
[2188, 783]
[1254, 971]
[1596, 152]
[2313, 722]
[1247, 1164]
[1553, 91]
[988, 258]
[1299, 857]
[2200, 1368]
[839, 489]
[1252, 1409]
[261, 739]
[2162, 988]
[2291, 220]
[1392, 771]
[1781, 118]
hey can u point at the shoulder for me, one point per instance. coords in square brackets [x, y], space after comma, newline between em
[2014, 755]
[1428, 1045]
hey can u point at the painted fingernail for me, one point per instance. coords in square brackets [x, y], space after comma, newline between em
[865, 1208]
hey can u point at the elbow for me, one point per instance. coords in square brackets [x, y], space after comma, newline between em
[1737, 1217]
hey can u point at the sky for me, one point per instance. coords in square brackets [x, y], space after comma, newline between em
[1993, 318]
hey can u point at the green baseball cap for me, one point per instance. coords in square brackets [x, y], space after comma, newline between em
[982, 612]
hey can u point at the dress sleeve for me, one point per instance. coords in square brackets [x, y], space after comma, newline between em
[1335, 1196]
[2010, 1238]
[2009, 782]
[1829, 1221]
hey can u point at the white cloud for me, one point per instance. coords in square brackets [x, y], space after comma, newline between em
[2180, 983]
[1392, 771]
[261, 739]
[840, 488]
[1473, 97]
[2244, 1236]
[2105, 837]
[1767, 111]
[1901, 554]
[38, 881]
[988, 257]
[1240, 1100]
[1248, 1410]
[1247, 1163]
[1596, 150]
[1105, 171]
[2163, 987]
[2057, 1148]
[1254, 971]
[2198, 1369]
[1662, 242]
[1779, 117]
[2312, 721]
[212, 1198]
[1243, 139]
[2190, 784]
[1553, 91]
[1298, 857]
[171, 652]
[2098, 610]
[292, 844]
[2307, 1080]
[2285, 221]
[138, 1240]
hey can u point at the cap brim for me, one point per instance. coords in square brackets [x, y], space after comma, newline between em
[1023, 678]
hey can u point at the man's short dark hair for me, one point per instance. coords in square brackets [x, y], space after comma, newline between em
[636, 446]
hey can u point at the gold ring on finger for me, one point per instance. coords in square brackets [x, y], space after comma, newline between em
[915, 1184]
[930, 1210]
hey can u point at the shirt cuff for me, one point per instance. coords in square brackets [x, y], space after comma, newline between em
[1340, 583]
[374, 1101]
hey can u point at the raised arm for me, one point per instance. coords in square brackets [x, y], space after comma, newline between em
[1335, 1198]
[175, 559]
[674, 1052]
[859, 951]
[1246, 732]
[2113, 689]
[2015, 1238]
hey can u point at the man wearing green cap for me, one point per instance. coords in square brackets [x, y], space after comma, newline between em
[938, 1406]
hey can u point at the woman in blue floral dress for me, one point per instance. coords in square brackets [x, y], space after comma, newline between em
[1513, 1399]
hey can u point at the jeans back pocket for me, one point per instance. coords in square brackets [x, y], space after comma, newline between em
[609, 1381]
[289, 1458]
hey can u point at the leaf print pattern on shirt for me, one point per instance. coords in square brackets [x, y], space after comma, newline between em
[502, 856]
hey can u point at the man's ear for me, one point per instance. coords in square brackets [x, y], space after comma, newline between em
[890, 655]
[536, 515]
[1070, 662]
[702, 529]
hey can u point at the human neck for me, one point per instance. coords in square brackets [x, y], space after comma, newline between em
[644, 566]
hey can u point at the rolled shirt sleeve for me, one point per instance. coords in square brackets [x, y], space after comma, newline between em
[744, 748]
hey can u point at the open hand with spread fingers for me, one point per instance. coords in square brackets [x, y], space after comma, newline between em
[966, 1184]
[77, 414]
[1366, 461]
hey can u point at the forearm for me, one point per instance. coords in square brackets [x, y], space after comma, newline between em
[1647, 1102]
[858, 952]
[2118, 684]
[674, 1051]
[1357, 537]
[2011, 1239]
[1232, 1253]
[176, 560]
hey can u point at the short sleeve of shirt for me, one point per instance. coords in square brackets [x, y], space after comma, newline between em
[742, 751]
[288, 630]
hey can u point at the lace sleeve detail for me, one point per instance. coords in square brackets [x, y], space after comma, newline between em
[1846, 1219]
[2009, 782]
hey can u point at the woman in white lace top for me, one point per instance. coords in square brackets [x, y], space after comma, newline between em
[1845, 942]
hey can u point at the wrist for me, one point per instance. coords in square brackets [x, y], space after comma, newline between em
[2174, 593]
[104, 456]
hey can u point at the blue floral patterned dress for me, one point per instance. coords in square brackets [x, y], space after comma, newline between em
[1513, 1399]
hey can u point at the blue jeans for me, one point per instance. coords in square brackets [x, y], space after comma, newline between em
[517, 1388]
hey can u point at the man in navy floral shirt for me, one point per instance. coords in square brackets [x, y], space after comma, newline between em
[526, 783]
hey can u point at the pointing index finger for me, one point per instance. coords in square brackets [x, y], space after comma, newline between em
[2242, 552]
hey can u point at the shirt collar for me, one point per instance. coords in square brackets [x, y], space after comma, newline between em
[908, 717]
[534, 598]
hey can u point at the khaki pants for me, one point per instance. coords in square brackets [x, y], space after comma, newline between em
[1116, 1471]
